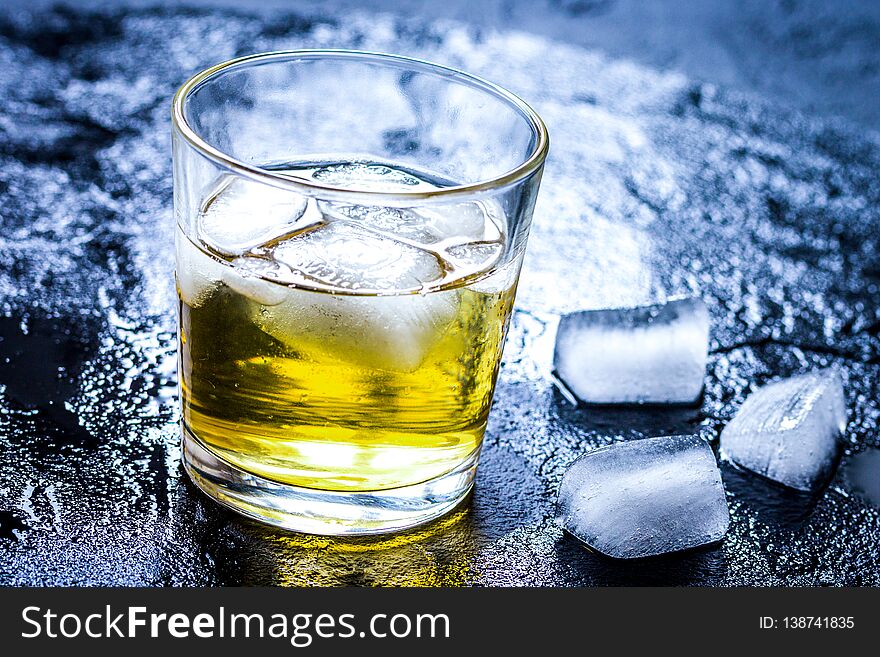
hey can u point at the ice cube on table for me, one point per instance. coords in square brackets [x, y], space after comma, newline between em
[392, 333]
[244, 215]
[641, 498]
[650, 354]
[790, 431]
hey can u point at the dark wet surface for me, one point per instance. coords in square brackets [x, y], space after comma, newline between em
[656, 185]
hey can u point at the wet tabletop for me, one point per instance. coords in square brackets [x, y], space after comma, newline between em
[656, 185]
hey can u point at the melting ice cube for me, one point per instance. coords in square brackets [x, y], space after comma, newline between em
[348, 257]
[247, 275]
[645, 497]
[368, 176]
[245, 215]
[650, 354]
[391, 333]
[789, 431]
[397, 222]
[198, 274]
[462, 222]
[453, 224]
[473, 257]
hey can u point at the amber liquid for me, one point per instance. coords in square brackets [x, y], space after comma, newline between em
[287, 393]
[334, 387]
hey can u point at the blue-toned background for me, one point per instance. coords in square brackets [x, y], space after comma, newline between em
[725, 147]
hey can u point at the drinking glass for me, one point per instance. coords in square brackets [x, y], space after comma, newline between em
[350, 231]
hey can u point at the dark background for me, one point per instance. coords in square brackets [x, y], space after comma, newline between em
[816, 55]
[728, 148]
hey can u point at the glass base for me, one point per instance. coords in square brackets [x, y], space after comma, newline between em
[335, 513]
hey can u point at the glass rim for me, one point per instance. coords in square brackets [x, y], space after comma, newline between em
[528, 166]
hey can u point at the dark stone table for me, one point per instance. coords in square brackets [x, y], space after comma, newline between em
[655, 185]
